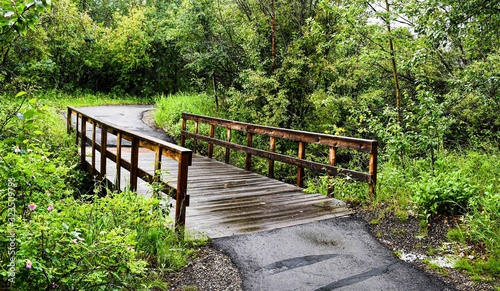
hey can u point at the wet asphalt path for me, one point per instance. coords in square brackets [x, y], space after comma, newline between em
[335, 254]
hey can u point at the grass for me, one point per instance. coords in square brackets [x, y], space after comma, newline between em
[168, 114]
[61, 100]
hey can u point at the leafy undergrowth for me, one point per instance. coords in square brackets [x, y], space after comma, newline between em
[58, 237]
[429, 246]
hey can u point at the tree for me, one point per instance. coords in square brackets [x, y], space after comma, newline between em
[16, 18]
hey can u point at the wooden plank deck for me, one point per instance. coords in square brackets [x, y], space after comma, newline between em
[225, 200]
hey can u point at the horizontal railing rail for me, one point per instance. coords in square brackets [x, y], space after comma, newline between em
[302, 137]
[161, 149]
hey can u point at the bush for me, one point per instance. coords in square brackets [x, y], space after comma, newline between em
[443, 194]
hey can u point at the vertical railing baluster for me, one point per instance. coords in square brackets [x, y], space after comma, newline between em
[157, 171]
[228, 151]
[272, 148]
[373, 169]
[332, 160]
[300, 170]
[183, 138]
[104, 149]
[195, 141]
[69, 120]
[118, 161]
[182, 199]
[211, 145]
[83, 145]
[248, 160]
[76, 127]
[134, 161]
[93, 147]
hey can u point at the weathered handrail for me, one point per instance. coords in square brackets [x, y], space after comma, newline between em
[161, 148]
[302, 137]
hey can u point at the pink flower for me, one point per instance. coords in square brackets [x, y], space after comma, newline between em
[50, 208]
[17, 150]
[75, 241]
[54, 286]
[28, 264]
[32, 206]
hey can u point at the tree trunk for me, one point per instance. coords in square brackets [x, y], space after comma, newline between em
[273, 35]
[394, 67]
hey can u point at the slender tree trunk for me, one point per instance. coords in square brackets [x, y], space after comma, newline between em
[394, 67]
[273, 35]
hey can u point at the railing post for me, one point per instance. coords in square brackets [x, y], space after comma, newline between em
[76, 127]
[183, 138]
[157, 171]
[195, 141]
[104, 149]
[83, 145]
[182, 199]
[228, 139]
[118, 161]
[373, 169]
[93, 147]
[248, 160]
[134, 162]
[272, 148]
[332, 160]
[69, 120]
[300, 170]
[211, 145]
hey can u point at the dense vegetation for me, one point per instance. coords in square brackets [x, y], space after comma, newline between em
[56, 231]
[421, 77]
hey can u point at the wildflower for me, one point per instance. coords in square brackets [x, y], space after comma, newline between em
[54, 286]
[75, 241]
[28, 264]
[50, 208]
[17, 150]
[32, 206]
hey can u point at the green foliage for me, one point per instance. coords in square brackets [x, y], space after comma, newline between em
[168, 114]
[58, 237]
[446, 194]
[16, 18]
[483, 222]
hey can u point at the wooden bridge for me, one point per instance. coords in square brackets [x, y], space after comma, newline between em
[218, 199]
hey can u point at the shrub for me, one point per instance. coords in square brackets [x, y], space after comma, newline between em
[445, 193]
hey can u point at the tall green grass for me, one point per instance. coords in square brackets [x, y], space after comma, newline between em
[61, 99]
[169, 109]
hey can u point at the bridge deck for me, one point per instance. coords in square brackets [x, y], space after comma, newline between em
[226, 200]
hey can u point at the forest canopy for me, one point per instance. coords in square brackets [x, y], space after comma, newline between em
[419, 75]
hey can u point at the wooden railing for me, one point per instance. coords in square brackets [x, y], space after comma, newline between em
[161, 149]
[302, 137]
